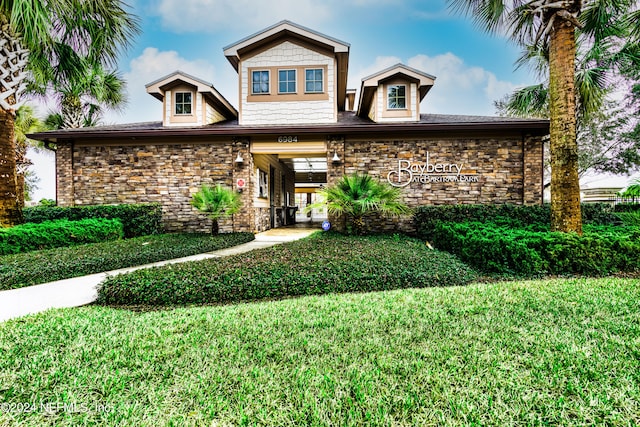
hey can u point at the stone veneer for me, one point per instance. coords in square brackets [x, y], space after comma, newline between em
[165, 173]
[155, 173]
[508, 168]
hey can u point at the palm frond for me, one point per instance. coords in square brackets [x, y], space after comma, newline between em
[356, 195]
[592, 88]
[529, 101]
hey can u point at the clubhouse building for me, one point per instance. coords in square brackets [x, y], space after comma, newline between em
[296, 128]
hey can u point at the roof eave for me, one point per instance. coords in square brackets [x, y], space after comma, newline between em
[538, 127]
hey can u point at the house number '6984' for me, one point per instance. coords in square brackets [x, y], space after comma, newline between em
[287, 139]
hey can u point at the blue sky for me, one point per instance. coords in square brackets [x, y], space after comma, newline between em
[472, 68]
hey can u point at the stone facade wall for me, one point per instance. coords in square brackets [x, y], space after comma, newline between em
[64, 173]
[335, 171]
[245, 219]
[533, 170]
[493, 170]
[168, 174]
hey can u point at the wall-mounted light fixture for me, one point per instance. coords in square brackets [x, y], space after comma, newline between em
[336, 158]
[239, 160]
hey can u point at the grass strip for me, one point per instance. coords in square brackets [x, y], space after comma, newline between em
[553, 352]
[36, 267]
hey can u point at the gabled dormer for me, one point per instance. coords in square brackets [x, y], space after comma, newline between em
[189, 101]
[394, 94]
[290, 74]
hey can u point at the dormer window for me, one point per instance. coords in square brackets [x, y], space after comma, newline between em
[286, 81]
[314, 82]
[183, 103]
[396, 97]
[260, 82]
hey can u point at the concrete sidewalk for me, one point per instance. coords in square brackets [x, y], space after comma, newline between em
[82, 290]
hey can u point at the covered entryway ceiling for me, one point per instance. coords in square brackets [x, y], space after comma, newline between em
[308, 170]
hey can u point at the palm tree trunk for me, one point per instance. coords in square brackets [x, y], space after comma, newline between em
[565, 185]
[10, 213]
[72, 114]
[358, 225]
[215, 227]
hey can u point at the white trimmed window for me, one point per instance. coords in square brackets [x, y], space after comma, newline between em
[314, 80]
[396, 97]
[262, 184]
[183, 103]
[260, 82]
[286, 81]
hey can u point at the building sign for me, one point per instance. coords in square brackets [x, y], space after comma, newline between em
[407, 171]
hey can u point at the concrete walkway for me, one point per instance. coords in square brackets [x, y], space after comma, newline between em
[79, 291]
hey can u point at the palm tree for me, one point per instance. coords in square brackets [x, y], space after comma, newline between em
[82, 100]
[552, 24]
[217, 202]
[46, 40]
[633, 190]
[607, 50]
[357, 195]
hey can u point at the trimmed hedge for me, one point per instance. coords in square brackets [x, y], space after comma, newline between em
[56, 234]
[627, 207]
[493, 248]
[45, 266]
[320, 264]
[137, 219]
[514, 216]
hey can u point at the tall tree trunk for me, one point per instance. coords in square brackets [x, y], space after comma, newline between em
[10, 212]
[565, 185]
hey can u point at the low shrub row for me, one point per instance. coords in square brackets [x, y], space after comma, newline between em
[627, 207]
[137, 219]
[514, 216]
[56, 234]
[44, 266]
[320, 264]
[494, 248]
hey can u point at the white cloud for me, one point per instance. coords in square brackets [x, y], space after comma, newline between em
[152, 65]
[381, 62]
[460, 88]
[215, 15]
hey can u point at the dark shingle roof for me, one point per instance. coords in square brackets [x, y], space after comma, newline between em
[348, 122]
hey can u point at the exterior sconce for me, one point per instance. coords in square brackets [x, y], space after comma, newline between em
[239, 160]
[336, 158]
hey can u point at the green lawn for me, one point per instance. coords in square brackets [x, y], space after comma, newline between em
[557, 352]
[32, 268]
